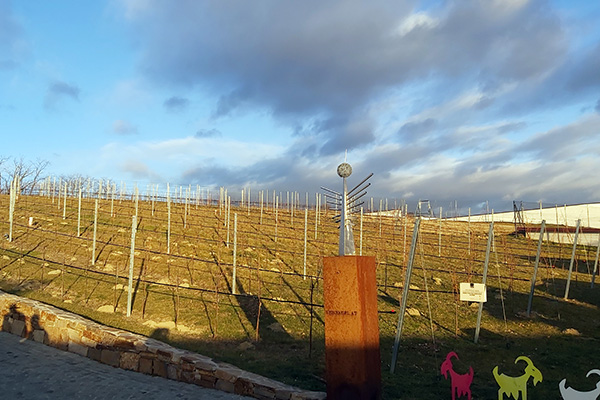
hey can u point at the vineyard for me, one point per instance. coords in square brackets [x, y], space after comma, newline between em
[241, 281]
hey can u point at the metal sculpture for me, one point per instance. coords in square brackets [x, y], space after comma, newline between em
[347, 204]
[461, 383]
[568, 393]
[517, 386]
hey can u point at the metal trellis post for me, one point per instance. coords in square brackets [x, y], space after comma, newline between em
[405, 293]
[572, 258]
[535, 267]
[485, 271]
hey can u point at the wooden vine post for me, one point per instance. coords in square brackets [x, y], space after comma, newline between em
[305, 238]
[65, 202]
[79, 213]
[168, 219]
[131, 261]
[11, 212]
[95, 233]
[573, 253]
[234, 277]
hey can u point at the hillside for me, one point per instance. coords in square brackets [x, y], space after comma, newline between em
[182, 287]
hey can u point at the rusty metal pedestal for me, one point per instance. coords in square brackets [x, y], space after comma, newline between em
[351, 328]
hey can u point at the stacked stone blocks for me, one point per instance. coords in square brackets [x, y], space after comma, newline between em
[70, 332]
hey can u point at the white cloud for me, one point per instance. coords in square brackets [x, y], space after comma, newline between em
[417, 20]
[177, 155]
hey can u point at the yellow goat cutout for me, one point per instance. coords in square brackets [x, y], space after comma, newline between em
[513, 386]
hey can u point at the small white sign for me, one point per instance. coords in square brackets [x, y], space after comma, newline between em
[473, 292]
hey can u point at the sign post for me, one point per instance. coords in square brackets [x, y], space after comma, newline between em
[353, 361]
[351, 328]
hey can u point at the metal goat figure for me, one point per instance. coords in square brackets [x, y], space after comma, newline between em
[568, 393]
[515, 386]
[346, 204]
[461, 383]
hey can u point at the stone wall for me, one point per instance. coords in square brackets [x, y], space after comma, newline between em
[70, 332]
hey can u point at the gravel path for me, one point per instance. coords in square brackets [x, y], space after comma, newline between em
[30, 370]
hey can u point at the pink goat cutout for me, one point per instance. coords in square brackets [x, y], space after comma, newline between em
[461, 384]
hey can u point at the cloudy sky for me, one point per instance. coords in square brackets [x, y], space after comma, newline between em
[466, 100]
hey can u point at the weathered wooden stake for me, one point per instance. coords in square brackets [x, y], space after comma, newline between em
[11, 212]
[305, 238]
[59, 191]
[234, 277]
[535, 267]
[137, 199]
[596, 262]
[469, 229]
[168, 220]
[316, 214]
[261, 206]
[572, 256]
[65, 202]
[113, 189]
[131, 260]
[95, 233]
[227, 217]
[79, 213]
[276, 216]
[185, 208]
[440, 234]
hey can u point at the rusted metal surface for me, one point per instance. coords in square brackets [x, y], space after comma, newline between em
[351, 328]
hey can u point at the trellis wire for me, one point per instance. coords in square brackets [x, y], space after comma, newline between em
[268, 221]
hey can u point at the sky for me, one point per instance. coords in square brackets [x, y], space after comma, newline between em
[459, 102]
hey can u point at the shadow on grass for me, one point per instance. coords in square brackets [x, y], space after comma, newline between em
[418, 368]
[549, 308]
[417, 374]
[259, 315]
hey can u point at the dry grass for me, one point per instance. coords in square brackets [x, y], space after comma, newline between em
[184, 297]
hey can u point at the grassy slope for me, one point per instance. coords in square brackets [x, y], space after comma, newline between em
[184, 297]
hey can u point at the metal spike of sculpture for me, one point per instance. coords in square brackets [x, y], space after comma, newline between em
[347, 204]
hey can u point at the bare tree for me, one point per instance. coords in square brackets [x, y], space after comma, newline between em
[29, 173]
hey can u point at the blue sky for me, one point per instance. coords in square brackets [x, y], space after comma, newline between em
[464, 100]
